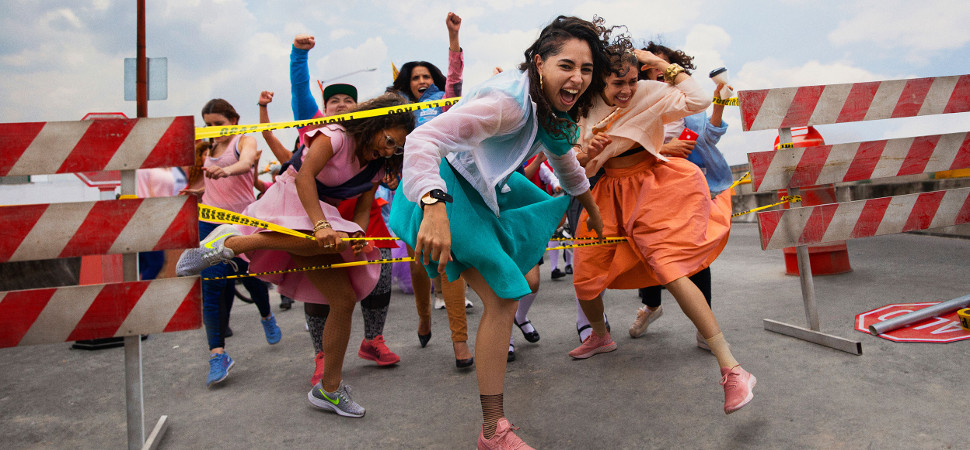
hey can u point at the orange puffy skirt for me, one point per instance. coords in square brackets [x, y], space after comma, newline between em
[673, 227]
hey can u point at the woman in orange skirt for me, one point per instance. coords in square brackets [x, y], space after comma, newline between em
[673, 228]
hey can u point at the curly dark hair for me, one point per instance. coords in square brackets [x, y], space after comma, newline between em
[675, 57]
[550, 43]
[403, 81]
[364, 130]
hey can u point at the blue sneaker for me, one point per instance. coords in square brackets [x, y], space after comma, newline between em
[272, 330]
[219, 365]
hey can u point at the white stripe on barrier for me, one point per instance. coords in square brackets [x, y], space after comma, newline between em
[159, 303]
[54, 229]
[131, 154]
[939, 95]
[61, 315]
[770, 109]
[830, 103]
[51, 147]
[885, 100]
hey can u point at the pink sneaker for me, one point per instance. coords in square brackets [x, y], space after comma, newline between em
[592, 345]
[738, 384]
[318, 372]
[503, 438]
[375, 350]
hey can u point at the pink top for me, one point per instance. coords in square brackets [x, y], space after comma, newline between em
[343, 165]
[155, 182]
[233, 193]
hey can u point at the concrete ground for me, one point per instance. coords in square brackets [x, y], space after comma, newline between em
[659, 391]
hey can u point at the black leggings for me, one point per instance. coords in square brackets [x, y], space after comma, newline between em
[650, 296]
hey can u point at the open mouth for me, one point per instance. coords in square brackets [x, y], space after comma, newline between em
[625, 98]
[422, 89]
[568, 96]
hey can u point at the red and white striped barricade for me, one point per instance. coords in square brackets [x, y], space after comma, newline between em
[126, 309]
[794, 168]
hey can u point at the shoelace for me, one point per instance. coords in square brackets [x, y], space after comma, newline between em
[733, 380]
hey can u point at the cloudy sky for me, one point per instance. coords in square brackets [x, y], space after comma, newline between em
[60, 59]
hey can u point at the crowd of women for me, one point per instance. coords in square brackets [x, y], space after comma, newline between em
[606, 119]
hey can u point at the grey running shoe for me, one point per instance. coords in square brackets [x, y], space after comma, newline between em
[211, 251]
[339, 402]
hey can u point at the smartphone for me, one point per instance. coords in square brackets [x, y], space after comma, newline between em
[688, 135]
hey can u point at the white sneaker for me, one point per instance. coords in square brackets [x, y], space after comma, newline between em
[211, 251]
[644, 317]
[468, 303]
[439, 303]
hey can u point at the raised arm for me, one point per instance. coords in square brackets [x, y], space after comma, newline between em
[281, 153]
[303, 104]
[456, 58]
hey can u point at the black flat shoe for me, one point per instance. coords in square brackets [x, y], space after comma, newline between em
[557, 274]
[424, 338]
[511, 354]
[569, 270]
[531, 337]
[464, 363]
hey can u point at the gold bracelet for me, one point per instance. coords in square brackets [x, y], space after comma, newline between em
[671, 72]
[321, 224]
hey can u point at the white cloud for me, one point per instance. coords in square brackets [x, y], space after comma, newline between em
[910, 27]
[772, 73]
[644, 19]
[706, 43]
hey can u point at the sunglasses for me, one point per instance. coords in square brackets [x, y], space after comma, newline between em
[389, 142]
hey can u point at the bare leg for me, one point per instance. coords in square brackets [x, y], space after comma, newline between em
[594, 308]
[490, 345]
[336, 333]
[279, 241]
[694, 305]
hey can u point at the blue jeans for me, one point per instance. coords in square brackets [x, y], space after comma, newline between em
[218, 295]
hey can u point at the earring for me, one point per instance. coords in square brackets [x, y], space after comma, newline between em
[540, 81]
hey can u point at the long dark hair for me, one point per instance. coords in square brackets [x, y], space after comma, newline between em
[675, 57]
[363, 131]
[550, 43]
[403, 81]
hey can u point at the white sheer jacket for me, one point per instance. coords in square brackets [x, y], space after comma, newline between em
[485, 137]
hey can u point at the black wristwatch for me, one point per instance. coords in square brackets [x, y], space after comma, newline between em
[435, 196]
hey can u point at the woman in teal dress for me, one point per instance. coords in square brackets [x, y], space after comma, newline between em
[467, 212]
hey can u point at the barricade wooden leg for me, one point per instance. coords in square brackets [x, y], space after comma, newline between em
[134, 394]
[813, 333]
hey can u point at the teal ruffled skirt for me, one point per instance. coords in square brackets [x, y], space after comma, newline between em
[503, 249]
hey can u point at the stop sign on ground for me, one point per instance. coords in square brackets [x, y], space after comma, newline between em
[942, 328]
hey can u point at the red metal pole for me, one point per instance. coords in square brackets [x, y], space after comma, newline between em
[141, 83]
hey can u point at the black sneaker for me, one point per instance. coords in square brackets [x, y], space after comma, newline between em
[557, 274]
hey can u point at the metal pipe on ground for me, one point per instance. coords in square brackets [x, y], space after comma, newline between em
[923, 314]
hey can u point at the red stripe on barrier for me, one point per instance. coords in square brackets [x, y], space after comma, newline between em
[768, 223]
[760, 162]
[871, 217]
[962, 158]
[802, 106]
[18, 311]
[101, 227]
[108, 311]
[857, 103]
[168, 151]
[15, 224]
[750, 103]
[817, 223]
[911, 99]
[919, 155]
[865, 160]
[960, 98]
[184, 227]
[810, 166]
[98, 145]
[963, 216]
[923, 211]
[188, 316]
[14, 140]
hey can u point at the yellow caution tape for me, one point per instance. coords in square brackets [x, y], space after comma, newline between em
[320, 267]
[964, 315]
[605, 241]
[212, 214]
[211, 132]
[786, 145]
[733, 101]
[744, 178]
[785, 199]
